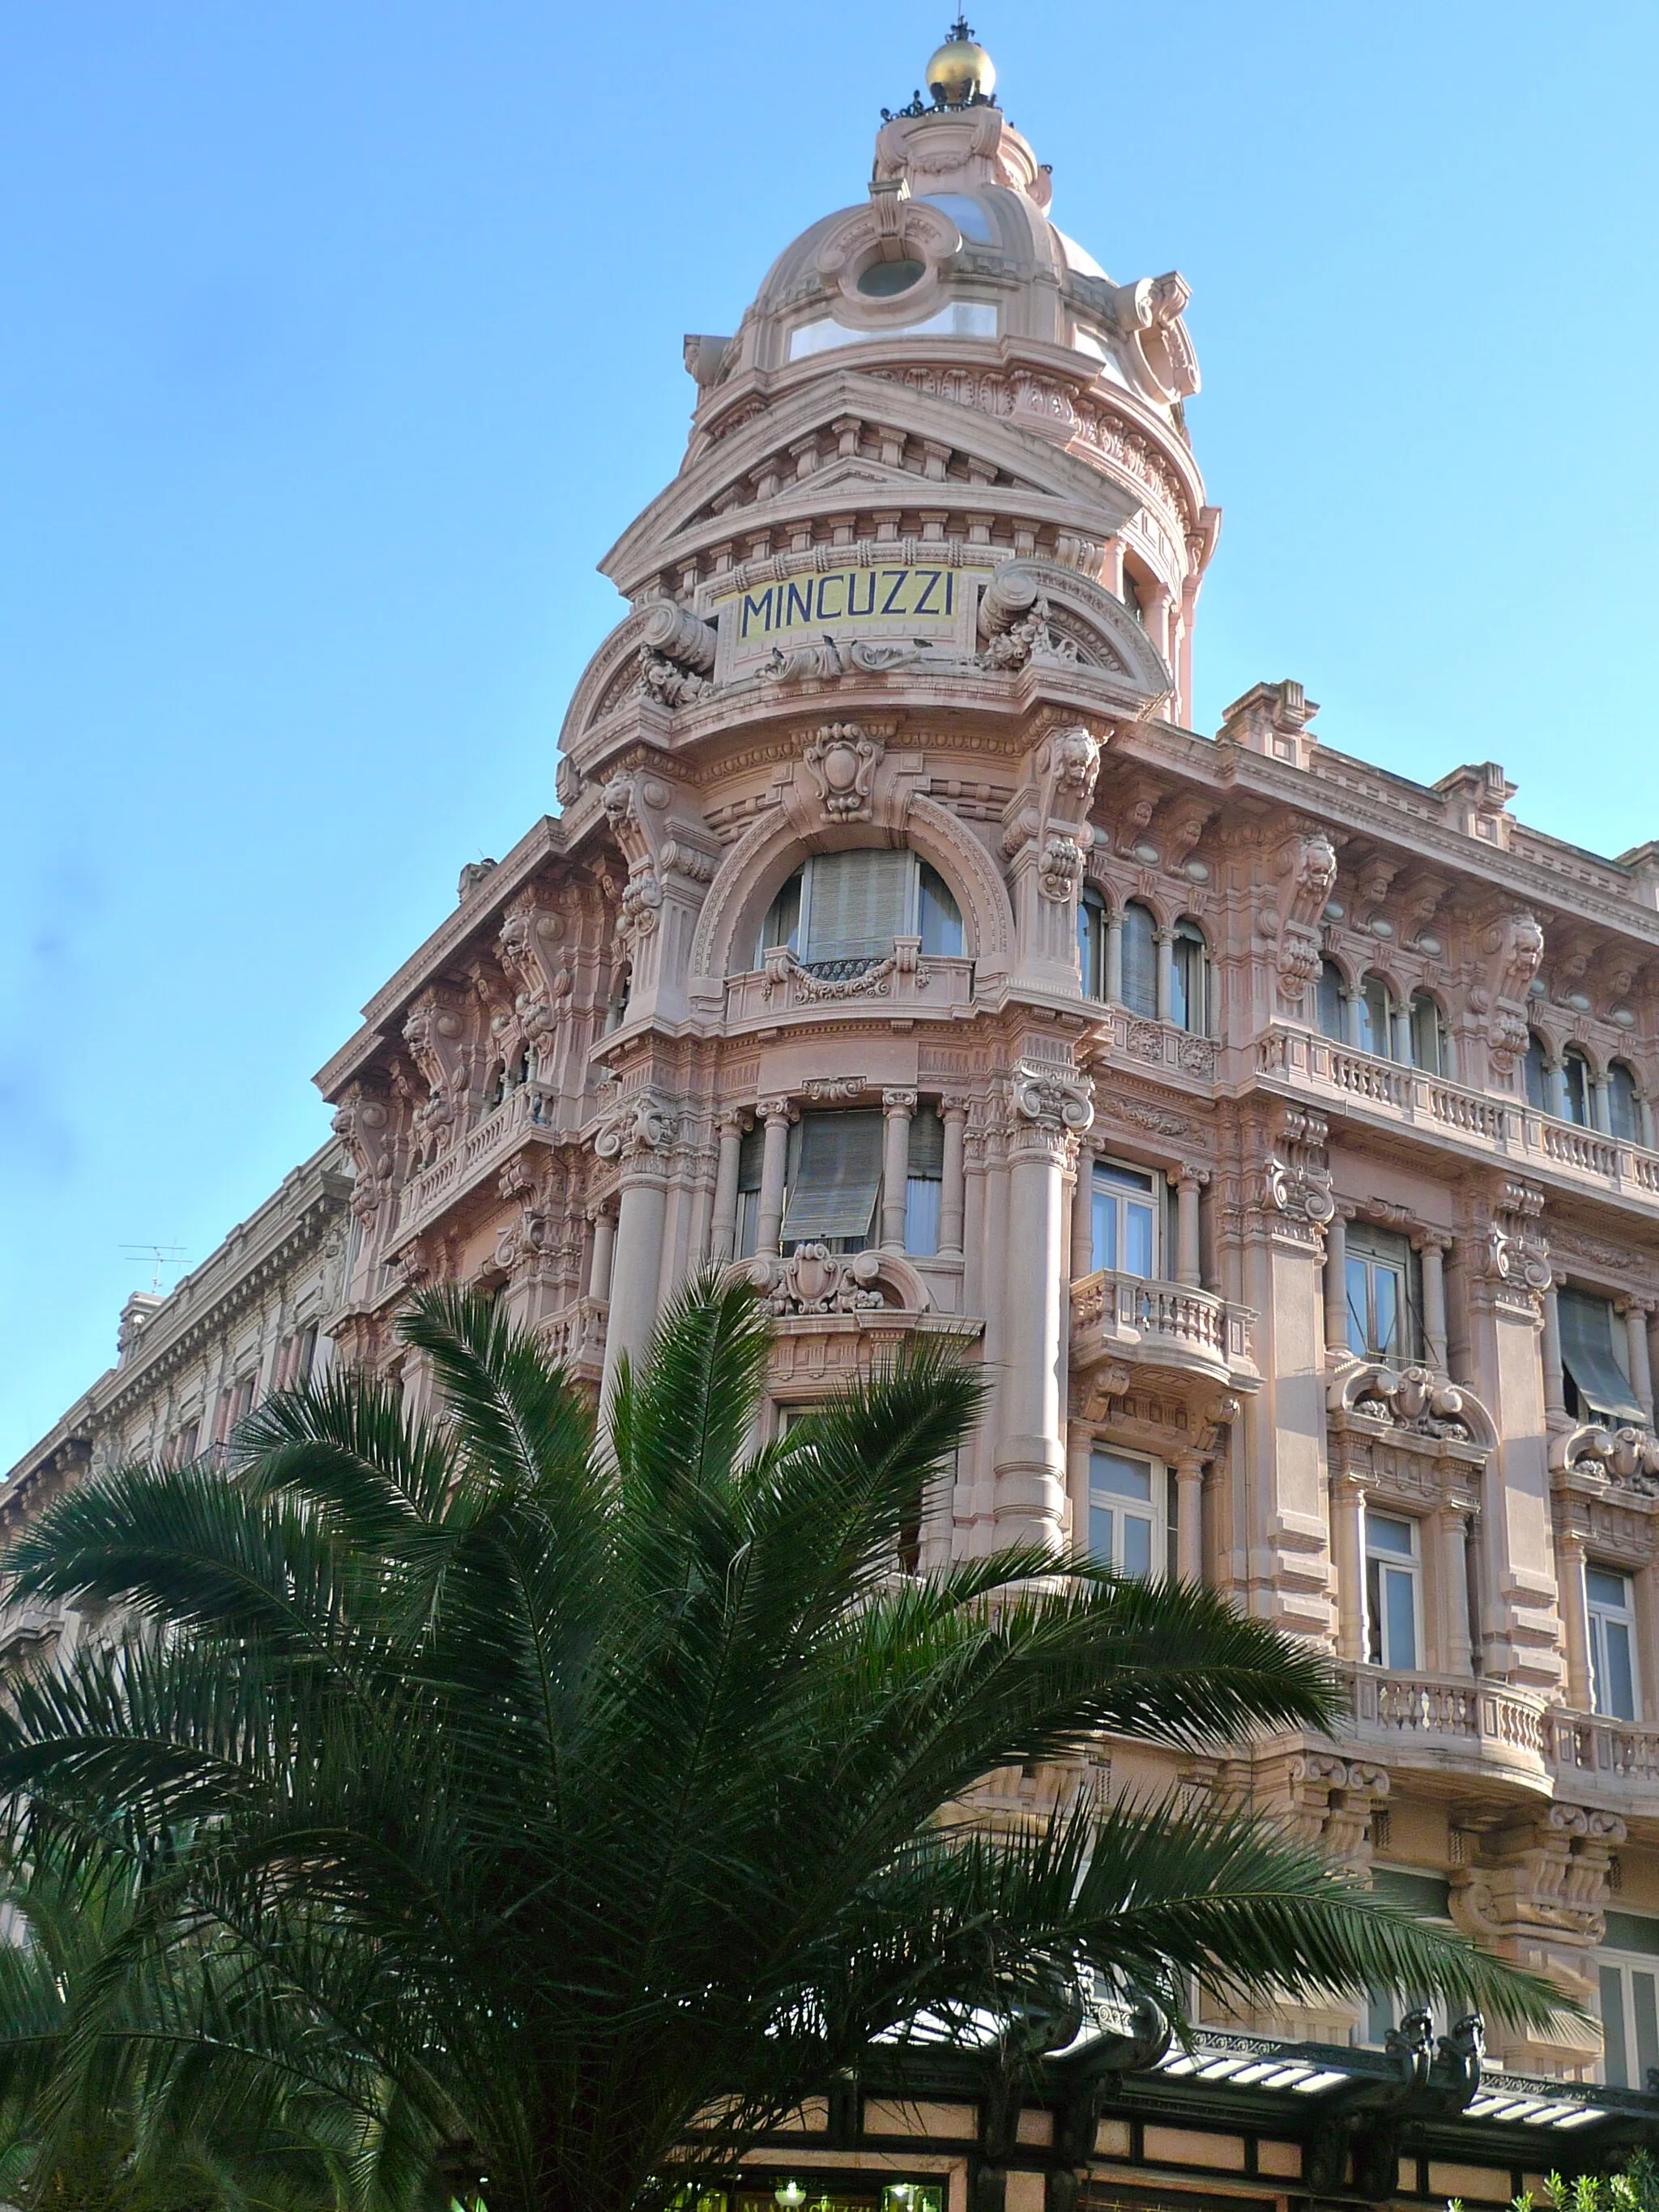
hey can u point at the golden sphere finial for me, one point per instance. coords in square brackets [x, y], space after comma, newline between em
[961, 72]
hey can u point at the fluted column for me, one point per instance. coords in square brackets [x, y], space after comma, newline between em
[1434, 1249]
[1083, 1212]
[1636, 1312]
[1189, 1181]
[1555, 1396]
[1575, 1618]
[898, 1106]
[776, 1113]
[1190, 1517]
[1045, 1103]
[1348, 1551]
[1457, 1652]
[723, 1243]
[1336, 1282]
[952, 1196]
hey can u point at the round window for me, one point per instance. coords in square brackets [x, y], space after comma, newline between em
[882, 279]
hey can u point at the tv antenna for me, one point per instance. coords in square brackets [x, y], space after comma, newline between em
[159, 1255]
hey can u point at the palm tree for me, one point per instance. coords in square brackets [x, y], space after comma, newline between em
[532, 1795]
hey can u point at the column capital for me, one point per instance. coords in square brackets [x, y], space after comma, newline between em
[954, 1103]
[1184, 1173]
[898, 1102]
[1433, 1240]
[734, 1121]
[778, 1110]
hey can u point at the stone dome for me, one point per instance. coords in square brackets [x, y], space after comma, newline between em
[954, 244]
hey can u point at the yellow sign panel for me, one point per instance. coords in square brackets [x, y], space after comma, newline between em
[843, 599]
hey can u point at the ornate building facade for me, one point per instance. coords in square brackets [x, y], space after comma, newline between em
[1275, 1132]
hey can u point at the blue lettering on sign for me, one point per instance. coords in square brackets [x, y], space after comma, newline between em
[901, 577]
[760, 608]
[826, 612]
[800, 604]
[921, 606]
[852, 606]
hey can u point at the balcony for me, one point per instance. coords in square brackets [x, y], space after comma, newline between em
[1171, 1326]
[528, 1112]
[903, 983]
[1464, 1725]
[1500, 1129]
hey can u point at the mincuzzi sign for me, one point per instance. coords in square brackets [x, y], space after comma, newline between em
[898, 602]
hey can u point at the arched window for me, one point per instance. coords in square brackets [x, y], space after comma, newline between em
[1331, 1004]
[1140, 960]
[1376, 1018]
[1091, 943]
[1429, 1038]
[839, 912]
[1623, 1104]
[1534, 1072]
[1189, 1005]
[1576, 1086]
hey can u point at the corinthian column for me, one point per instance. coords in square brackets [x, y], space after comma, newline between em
[1045, 1103]
[641, 1136]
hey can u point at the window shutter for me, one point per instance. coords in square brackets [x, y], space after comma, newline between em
[857, 904]
[927, 1145]
[1588, 1355]
[751, 1152]
[837, 1177]
[1139, 961]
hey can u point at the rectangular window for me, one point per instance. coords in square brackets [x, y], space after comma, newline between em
[1594, 1351]
[1126, 1512]
[1125, 1220]
[925, 1182]
[1429, 1896]
[1610, 1601]
[1630, 2020]
[751, 1154]
[1380, 1294]
[1393, 1593]
[834, 1180]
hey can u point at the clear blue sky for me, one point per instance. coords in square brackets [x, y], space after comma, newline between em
[309, 447]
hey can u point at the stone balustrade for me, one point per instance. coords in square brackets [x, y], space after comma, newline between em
[523, 1112]
[1159, 1324]
[1470, 1725]
[1507, 1129]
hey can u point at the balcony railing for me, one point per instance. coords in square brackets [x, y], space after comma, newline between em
[1159, 1324]
[525, 1110]
[1504, 1129]
[1466, 1722]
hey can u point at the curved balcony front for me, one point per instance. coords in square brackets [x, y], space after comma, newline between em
[1172, 1327]
[787, 990]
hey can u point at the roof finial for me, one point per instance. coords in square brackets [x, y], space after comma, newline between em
[961, 73]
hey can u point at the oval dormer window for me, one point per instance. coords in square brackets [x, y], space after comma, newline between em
[882, 280]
